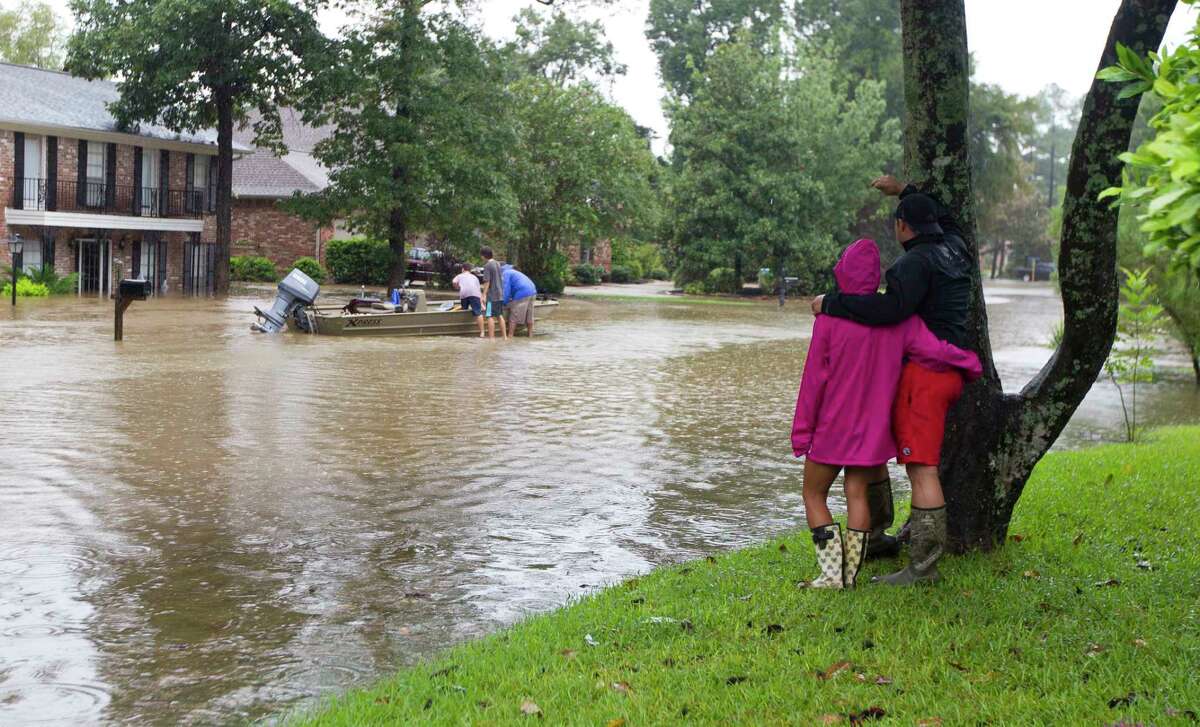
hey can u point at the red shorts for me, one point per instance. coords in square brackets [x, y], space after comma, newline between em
[919, 414]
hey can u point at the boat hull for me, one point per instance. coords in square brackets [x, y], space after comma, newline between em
[336, 322]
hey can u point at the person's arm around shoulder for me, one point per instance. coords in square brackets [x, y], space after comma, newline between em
[907, 285]
[812, 388]
[921, 346]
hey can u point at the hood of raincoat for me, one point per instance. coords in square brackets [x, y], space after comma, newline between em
[857, 273]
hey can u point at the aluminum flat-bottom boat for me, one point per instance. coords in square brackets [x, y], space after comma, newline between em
[414, 317]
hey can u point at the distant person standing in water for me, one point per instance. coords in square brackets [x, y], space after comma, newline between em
[493, 294]
[519, 294]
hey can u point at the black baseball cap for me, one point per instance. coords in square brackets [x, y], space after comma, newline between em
[920, 212]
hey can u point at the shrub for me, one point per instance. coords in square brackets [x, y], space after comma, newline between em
[587, 274]
[622, 274]
[695, 288]
[722, 280]
[359, 260]
[766, 280]
[310, 267]
[252, 268]
[26, 288]
[555, 278]
[55, 283]
[659, 274]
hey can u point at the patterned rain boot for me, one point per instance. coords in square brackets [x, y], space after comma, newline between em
[831, 557]
[858, 542]
[879, 500]
[928, 544]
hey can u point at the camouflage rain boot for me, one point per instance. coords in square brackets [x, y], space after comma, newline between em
[928, 544]
[879, 501]
[857, 545]
[830, 557]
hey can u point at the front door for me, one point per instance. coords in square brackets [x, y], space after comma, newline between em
[94, 265]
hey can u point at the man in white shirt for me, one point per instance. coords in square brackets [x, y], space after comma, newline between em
[469, 294]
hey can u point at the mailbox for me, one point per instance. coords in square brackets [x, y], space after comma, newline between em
[134, 289]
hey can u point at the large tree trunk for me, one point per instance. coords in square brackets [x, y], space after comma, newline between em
[993, 439]
[224, 191]
[397, 236]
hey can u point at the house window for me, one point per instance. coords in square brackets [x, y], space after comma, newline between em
[149, 183]
[200, 172]
[34, 184]
[31, 257]
[148, 265]
[95, 173]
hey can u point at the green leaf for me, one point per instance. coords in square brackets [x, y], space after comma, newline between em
[1134, 89]
[1110, 192]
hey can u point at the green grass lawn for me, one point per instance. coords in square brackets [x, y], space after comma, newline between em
[1089, 615]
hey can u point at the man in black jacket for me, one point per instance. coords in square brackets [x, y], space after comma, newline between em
[931, 279]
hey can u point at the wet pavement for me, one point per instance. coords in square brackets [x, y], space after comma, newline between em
[206, 525]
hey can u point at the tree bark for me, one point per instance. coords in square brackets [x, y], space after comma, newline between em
[224, 101]
[397, 237]
[993, 439]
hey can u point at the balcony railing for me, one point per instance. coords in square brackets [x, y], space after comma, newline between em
[100, 198]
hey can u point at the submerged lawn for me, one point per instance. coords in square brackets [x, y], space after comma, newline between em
[1089, 615]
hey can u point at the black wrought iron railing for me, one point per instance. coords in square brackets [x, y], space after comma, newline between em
[99, 198]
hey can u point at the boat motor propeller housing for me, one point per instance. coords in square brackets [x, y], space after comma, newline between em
[296, 291]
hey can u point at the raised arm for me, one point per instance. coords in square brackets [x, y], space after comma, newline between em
[921, 346]
[812, 388]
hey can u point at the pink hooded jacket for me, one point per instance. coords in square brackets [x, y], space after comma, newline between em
[844, 410]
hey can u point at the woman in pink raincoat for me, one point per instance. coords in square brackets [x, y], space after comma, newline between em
[843, 412]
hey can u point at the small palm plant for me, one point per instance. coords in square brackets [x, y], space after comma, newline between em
[1140, 320]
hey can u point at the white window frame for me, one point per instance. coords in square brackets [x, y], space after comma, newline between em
[35, 168]
[150, 177]
[96, 172]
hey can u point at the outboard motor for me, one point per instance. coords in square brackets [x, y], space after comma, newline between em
[296, 291]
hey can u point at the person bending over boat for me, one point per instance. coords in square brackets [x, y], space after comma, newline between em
[519, 294]
[493, 294]
[469, 294]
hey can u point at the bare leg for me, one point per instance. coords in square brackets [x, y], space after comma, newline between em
[530, 329]
[512, 328]
[858, 512]
[926, 486]
[817, 480]
[503, 330]
[479, 320]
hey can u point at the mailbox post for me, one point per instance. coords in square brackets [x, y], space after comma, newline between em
[127, 292]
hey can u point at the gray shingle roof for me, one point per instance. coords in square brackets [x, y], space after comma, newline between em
[51, 98]
[264, 175]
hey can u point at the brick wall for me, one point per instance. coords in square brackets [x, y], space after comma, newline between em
[6, 181]
[68, 160]
[260, 227]
[601, 254]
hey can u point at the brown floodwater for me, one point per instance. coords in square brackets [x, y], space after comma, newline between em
[202, 524]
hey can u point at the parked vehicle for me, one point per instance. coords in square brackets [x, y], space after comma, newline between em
[421, 264]
[1040, 270]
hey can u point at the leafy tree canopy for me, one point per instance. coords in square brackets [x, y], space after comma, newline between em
[31, 34]
[561, 49]
[777, 154]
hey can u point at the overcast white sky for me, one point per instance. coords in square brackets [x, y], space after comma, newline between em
[1021, 45]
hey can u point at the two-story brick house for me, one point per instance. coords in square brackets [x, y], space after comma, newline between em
[91, 198]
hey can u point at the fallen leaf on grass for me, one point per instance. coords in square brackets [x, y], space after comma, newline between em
[568, 653]
[1094, 649]
[686, 625]
[930, 722]
[617, 722]
[783, 548]
[868, 714]
[882, 680]
[1124, 701]
[622, 687]
[832, 719]
[746, 597]
[1078, 539]
[1172, 712]
[1145, 565]
[529, 709]
[958, 666]
[591, 641]
[1016, 538]
[736, 679]
[1108, 583]
[483, 704]
[1140, 643]
[833, 670]
[383, 700]
[710, 559]
[1032, 574]
[861, 677]
[772, 629]
[444, 671]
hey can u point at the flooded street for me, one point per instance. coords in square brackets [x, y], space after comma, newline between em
[205, 525]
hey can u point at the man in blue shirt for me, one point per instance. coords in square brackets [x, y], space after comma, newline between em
[519, 294]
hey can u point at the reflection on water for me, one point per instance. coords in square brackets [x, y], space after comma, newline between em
[201, 524]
